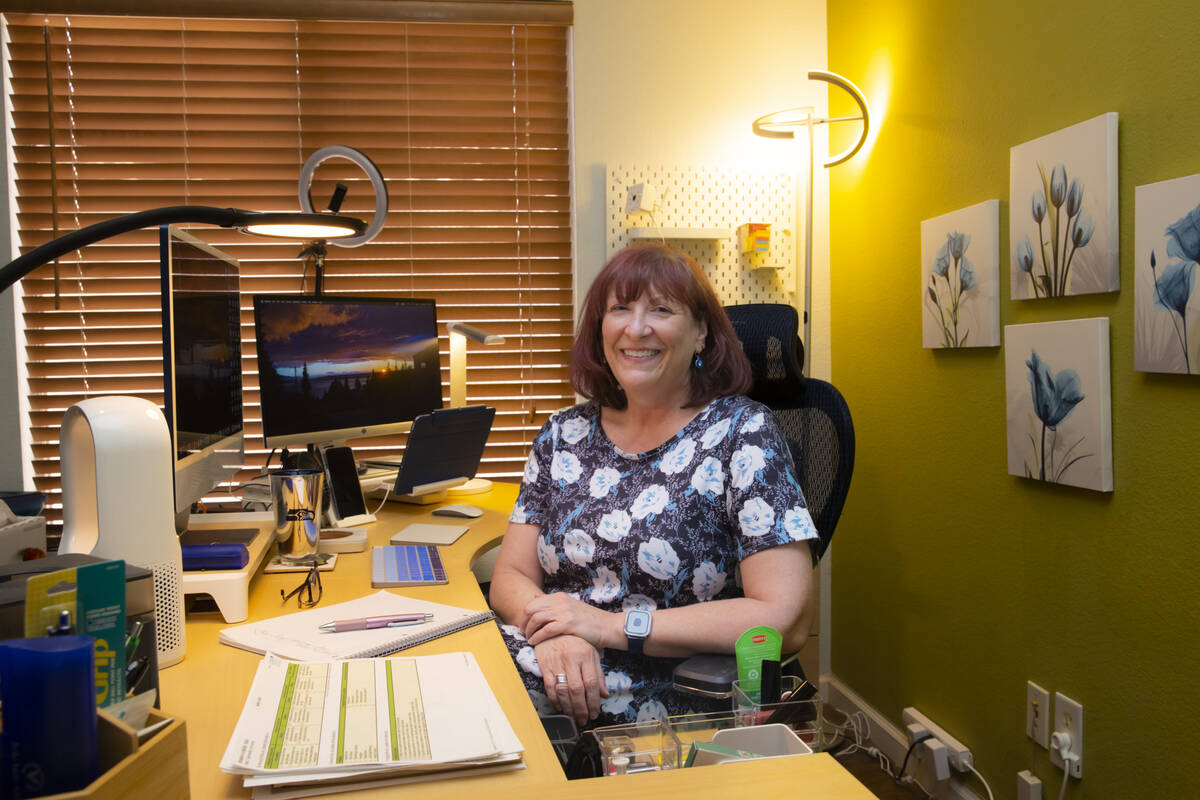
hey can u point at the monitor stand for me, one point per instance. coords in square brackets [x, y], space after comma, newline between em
[230, 588]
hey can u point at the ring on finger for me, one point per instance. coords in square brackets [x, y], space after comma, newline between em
[560, 679]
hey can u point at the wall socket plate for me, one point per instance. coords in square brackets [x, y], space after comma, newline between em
[1037, 714]
[1068, 717]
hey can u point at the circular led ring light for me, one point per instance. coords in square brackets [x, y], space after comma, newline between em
[368, 166]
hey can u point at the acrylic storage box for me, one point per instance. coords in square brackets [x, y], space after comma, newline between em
[799, 708]
[639, 747]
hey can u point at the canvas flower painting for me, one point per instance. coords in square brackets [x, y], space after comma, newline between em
[1059, 402]
[1063, 207]
[960, 278]
[1166, 311]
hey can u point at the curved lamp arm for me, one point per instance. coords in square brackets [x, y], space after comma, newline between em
[783, 124]
[286, 224]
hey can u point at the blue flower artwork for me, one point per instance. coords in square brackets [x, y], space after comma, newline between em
[1059, 402]
[1167, 254]
[960, 277]
[1063, 199]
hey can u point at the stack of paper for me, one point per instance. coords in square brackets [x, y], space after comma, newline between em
[315, 727]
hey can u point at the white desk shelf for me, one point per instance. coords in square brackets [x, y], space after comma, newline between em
[645, 232]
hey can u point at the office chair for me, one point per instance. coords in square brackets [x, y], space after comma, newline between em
[815, 420]
[811, 413]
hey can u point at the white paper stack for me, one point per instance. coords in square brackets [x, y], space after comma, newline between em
[318, 727]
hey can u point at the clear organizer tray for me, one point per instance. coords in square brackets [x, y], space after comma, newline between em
[665, 744]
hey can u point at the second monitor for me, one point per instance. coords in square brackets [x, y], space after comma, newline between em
[336, 368]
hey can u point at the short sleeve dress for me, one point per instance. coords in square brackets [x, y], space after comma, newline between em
[652, 530]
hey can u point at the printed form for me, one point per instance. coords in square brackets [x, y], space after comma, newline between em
[332, 716]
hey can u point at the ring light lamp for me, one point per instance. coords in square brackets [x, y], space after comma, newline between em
[368, 166]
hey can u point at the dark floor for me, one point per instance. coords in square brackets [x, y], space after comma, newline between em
[866, 770]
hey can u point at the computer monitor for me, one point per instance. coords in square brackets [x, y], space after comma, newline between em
[334, 368]
[202, 365]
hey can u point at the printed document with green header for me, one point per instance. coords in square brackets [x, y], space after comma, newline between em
[321, 719]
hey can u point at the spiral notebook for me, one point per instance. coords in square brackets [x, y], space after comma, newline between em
[297, 636]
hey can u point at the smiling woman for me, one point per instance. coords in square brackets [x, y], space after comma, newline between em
[638, 506]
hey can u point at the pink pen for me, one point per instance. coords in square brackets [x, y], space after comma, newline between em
[367, 623]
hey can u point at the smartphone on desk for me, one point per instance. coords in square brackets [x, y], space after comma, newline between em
[347, 507]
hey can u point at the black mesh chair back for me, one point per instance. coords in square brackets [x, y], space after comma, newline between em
[811, 413]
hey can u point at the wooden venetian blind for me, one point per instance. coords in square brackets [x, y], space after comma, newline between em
[467, 122]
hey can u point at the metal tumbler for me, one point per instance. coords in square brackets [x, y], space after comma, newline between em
[296, 499]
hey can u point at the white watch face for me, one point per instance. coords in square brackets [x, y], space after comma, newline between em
[637, 624]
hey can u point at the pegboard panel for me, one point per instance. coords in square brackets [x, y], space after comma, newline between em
[691, 198]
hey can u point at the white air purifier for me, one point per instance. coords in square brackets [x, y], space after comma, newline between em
[119, 500]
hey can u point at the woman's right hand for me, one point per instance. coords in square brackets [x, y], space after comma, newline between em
[575, 658]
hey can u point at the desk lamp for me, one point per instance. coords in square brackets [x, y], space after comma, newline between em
[459, 333]
[288, 225]
[783, 125]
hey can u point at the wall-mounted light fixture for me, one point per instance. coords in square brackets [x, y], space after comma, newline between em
[783, 125]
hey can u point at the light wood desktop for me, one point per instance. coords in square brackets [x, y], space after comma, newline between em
[207, 689]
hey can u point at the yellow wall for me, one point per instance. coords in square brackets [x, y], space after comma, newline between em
[954, 583]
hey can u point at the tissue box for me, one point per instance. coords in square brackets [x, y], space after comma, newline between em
[19, 533]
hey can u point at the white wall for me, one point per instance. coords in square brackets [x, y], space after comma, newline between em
[678, 82]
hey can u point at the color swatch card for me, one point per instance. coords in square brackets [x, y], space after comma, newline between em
[406, 565]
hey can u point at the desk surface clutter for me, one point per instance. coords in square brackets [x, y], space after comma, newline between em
[208, 689]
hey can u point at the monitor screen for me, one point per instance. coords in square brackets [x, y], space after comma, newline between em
[334, 368]
[202, 363]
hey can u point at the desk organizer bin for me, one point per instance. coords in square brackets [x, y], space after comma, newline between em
[639, 747]
[801, 715]
[158, 768]
[789, 727]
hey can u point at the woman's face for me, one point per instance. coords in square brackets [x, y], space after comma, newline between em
[650, 343]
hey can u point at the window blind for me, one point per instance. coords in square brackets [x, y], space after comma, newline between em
[467, 122]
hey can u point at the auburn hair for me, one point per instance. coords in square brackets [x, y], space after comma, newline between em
[663, 272]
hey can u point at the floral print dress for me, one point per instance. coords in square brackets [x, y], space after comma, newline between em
[659, 529]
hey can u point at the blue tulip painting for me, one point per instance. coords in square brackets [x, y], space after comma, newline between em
[1059, 402]
[1166, 311]
[960, 278]
[1063, 226]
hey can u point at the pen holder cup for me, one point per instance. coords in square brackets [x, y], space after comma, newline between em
[799, 707]
[640, 747]
[296, 501]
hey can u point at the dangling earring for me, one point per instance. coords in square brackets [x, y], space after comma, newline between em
[698, 362]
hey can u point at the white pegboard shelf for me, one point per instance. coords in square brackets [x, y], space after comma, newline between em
[642, 232]
[697, 210]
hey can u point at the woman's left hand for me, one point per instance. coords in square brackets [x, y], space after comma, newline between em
[551, 615]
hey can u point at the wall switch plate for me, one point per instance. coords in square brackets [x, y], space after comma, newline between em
[1028, 786]
[1037, 714]
[1068, 718]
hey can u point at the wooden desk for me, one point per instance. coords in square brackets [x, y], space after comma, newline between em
[207, 689]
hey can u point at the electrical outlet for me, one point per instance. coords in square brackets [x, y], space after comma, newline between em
[1068, 720]
[959, 753]
[1037, 714]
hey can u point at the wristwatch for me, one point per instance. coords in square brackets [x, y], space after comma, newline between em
[637, 628]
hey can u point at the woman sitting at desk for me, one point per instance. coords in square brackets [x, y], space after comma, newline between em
[638, 506]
